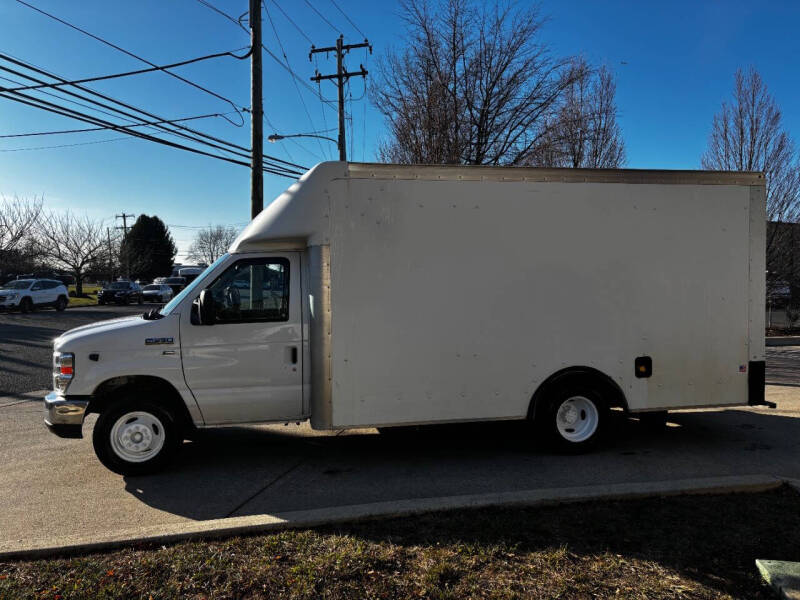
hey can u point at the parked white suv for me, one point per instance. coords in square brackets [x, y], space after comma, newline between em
[28, 294]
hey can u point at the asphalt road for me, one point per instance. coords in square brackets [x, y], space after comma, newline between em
[52, 490]
[26, 342]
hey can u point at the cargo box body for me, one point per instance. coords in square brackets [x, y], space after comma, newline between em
[445, 294]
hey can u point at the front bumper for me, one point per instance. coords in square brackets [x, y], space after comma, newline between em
[64, 415]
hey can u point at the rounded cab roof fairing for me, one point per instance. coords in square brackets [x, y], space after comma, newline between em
[297, 218]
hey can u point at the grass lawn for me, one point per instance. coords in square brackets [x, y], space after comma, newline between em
[90, 296]
[678, 547]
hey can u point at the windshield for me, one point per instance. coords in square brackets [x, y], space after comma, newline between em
[119, 285]
[152, 288]
[20, 284]
[176, 280]
[170, 306]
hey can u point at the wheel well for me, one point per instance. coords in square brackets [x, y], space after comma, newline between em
[607, 387]
[150, 386]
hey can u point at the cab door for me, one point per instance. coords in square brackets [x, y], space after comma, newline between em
[247, 366]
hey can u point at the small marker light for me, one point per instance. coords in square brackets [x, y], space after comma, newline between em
[643, 366]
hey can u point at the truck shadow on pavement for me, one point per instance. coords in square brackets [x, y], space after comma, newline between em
[245, 471]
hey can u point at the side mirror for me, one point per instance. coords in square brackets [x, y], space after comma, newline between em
[207, 308]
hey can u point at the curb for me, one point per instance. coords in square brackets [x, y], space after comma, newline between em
[264, 523]
[783, 340]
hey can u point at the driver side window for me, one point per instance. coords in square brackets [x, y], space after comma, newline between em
[252, 290]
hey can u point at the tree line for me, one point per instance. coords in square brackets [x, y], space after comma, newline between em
[33, 239]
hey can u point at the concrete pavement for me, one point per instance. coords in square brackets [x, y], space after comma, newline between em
[53, 490]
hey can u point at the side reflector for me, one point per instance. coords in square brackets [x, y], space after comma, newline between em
[643, 366]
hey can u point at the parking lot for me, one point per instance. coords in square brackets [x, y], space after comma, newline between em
[26, 342]
[54, 489]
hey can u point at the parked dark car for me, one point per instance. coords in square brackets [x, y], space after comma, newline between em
[120, 292]
[176, 283]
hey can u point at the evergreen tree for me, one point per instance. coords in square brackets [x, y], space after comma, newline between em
[150, 249]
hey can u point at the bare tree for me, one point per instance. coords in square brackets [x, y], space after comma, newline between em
[73, 243]
[747, 134]
[583, 132]
[475, 85]
[18, 218]
[211, 243]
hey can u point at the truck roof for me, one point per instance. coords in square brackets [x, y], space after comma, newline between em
[300, 215]
[541, 174]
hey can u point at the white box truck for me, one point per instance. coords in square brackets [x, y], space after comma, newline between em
[373, 295]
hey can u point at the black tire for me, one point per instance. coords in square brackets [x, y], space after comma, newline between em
[126, 300]
[26, 305]
[61, 303]
[104, 429]
[588, 408]
[140, 300]
[101, 302]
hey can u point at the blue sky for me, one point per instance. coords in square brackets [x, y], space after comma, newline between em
[674, 63]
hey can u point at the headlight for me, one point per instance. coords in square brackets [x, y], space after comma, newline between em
[63, 370]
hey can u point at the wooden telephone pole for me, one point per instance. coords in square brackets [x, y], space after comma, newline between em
[341, 76]
[124, 227]
[256, 114]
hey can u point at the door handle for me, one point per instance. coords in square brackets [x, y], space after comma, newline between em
[294, 355]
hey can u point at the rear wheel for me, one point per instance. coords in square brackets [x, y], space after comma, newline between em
[26, 305]
[61, 303]
[572, 415]
[140, 300]
[135, 437]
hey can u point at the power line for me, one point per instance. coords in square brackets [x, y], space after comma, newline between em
[219, 12]
[132, 55]
[296, 26]
[84, 130]
[321, 16]
[129, 115]
[53, 108]
[116, 139]
[364, 35]
[127, 73]
[286, 58]
[231, 147]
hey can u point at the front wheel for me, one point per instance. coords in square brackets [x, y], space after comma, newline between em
[573, 417]
[140, 300]
[135, 437]
[61, 303]
[26, 305]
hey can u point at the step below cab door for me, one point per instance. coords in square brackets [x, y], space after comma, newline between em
[247, 367]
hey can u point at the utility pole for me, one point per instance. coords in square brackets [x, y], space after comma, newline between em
[341, 76]
[125, 218]
[256, 113]
[110, 256]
